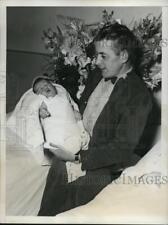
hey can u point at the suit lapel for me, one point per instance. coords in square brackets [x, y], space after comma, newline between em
[116, 97]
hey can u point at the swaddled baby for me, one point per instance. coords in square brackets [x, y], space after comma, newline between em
[62, 127]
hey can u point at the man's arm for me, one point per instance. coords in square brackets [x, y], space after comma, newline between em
[127, 136]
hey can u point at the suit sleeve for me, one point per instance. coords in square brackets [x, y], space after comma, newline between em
[128, 133]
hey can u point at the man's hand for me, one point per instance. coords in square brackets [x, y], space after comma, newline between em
[43, 111]
[61, 153]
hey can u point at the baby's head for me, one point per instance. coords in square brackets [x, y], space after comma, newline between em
[43, 86]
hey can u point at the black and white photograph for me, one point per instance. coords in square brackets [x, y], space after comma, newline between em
[84, 114]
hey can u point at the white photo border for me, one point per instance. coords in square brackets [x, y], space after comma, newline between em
[3, 5]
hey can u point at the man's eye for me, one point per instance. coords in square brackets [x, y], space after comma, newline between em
[103, 56]
[100, 55]
[95, 55]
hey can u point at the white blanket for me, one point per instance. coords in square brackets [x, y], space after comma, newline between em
[24, 120]
[123, 204]
[25, 179]
[25, 124]
[61, 127]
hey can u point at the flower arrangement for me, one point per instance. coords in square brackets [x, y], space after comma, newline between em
[148, 31]
[52, 41]
[69, 57]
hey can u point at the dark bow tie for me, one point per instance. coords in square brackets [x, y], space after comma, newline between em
[113, 79]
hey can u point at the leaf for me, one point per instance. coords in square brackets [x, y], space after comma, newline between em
[59, 31]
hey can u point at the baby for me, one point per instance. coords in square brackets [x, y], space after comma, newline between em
[62, 126]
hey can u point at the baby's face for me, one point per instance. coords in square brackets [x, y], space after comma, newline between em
[45, 88]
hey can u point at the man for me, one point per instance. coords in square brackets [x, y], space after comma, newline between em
[115, 117]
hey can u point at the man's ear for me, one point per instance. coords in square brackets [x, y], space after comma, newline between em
[124, 56]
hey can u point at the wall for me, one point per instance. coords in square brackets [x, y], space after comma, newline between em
[25, 58]
[21, 70]
[25, 24]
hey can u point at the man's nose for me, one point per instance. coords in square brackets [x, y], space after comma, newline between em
[98, 60]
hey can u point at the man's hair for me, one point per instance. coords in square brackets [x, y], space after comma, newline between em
[123, 39]
[37, 80]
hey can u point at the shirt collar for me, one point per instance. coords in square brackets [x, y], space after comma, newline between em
[116, 78]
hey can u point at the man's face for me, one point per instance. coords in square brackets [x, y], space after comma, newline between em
[107, 60]
[45, 88]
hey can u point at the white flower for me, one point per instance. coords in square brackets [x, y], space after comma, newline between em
[67, 61]
[80, 91]
[74, 26]
[63, 51]
[153, 81]
[55, 40]
[50, 33]
[83, 73]
[118, 21]
[46, 41]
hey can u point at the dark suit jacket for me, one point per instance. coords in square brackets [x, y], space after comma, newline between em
[120, 125]
[92, 81]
